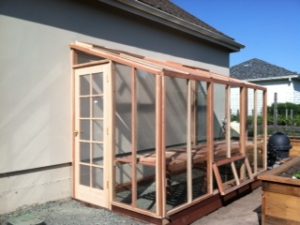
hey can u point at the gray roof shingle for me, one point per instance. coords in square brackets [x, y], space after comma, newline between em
[168, 7]
[258, 69]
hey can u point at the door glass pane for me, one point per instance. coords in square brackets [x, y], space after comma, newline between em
[84, 84]
[84, 175]
[97, 174]
[84, 152]
[97, 130]
[85, 129]
[85, 107]
[97, 107]
[97, 85]
[98, 154]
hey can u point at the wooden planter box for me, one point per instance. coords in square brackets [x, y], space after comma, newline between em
[295, 151]
[281, 195]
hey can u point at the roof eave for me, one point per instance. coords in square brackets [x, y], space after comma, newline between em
[274, 78]
[174, 22]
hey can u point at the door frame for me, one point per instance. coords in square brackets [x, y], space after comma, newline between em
[108, 130]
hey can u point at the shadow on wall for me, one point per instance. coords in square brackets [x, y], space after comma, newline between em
[100, 21]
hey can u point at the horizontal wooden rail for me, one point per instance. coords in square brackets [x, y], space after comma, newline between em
[229, 160]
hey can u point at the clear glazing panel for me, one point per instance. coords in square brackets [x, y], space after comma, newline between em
[84, 84]
[84, 152]
[123, 108]
[84, 133]
[84, 107]
[97, 81]
[176, 140]
[97, 109]
[97, 178]
[219, 110]
[84, 172]
[235, 120]
[146, 183]
[97, 150]
[123, 186]
[199, 153]
[250, 128]
[97, 126]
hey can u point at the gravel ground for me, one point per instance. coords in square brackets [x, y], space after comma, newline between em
[70, 212]
[244, 211]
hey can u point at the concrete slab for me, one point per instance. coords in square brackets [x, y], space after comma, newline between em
[246, 211]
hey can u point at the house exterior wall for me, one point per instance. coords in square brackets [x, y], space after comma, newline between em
[283, 88]
[296, 89]
[286, 92]
[35, 84]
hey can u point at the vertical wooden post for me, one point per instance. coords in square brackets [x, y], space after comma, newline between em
[210, 135]
[265, 126]
[243, 119]
[255, 131]
[228, 120]
[243, 127]
[112, 139]
[159, 148]
[275, 110]
[133, 136]
[163, 145]
[73, 59]
[189, 142]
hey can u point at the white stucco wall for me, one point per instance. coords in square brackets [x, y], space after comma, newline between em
[35, 81]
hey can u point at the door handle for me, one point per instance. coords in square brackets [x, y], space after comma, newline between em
[75, 133]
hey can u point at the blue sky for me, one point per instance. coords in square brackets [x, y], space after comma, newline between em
[270, 29]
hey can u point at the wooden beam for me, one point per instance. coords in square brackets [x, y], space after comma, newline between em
[210, 135]
[235, 173]
[73, 60]
[194, 112]
[189, 143]
[229, 160]
[255, 131]
[113, 57]
[228, 119]
[248, 168]
[163, 147]
[113, 130]
[265, 127]
[134, 135]
[243, 119]
[218, 179]
[159, 147]
[94, 63]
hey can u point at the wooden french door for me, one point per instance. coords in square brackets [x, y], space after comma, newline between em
[92, 134]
